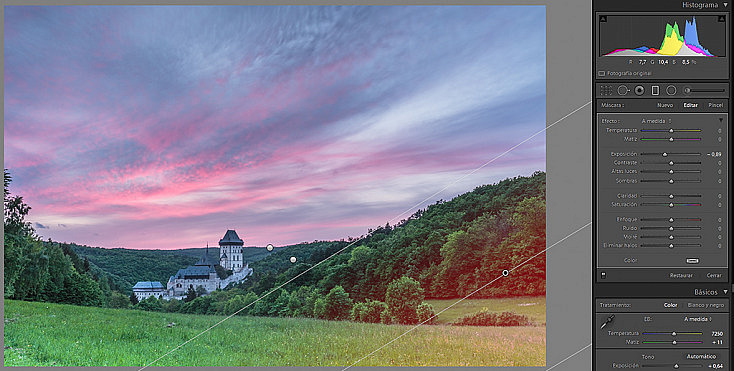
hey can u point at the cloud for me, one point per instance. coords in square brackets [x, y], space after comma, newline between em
[40, 226]
[297, 122]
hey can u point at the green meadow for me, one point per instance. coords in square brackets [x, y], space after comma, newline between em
[46, 334]
[531, 306]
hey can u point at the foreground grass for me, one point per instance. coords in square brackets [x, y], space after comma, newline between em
[43, 334]
[531, 306]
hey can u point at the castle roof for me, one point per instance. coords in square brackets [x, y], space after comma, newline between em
[148, 286]
[195, 271]
[201, 269]
[231, 238]
[204, 261]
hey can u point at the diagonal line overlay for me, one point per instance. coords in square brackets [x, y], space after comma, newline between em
[495, 158]
[569, 357]
[357, 240]
[465, 297]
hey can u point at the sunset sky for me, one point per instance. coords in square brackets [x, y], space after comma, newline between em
[161, 127]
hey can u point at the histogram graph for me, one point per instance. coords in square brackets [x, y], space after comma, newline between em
[664, 36]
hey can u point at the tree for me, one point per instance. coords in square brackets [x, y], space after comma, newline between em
[15, 211]
[14, 260]
[200, 291]
[359, 261]
[319, 308]
[337, 304]
[386, 318]
[22, 253]
[529, 216]
[298, 302]
[309, 305]
[59, 271]
[373, 311]
[75, 260]
[221, 298]
[190, 295]
[234, 304]
[200, 305]
[118, 300]
[529, 242]
[134, 299]
[425, 313]
[249, 299]
[402, 298]
[81, 289]
[359, 257]
[294, 304]
[104, 286]
[33, 274]
[280, 307]
[358, 311]
[38, 271]
[263, 282]
[221, 272]
[262, 307]
[151, 303]
[172, 306]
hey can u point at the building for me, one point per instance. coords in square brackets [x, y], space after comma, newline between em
[146, 289]
[230, 251]
[202, 273]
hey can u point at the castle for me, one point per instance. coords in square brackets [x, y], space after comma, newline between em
[202, 273]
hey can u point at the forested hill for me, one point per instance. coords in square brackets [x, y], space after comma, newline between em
[125, 267]
[452, 248]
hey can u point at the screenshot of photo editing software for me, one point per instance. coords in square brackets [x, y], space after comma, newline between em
[661, 215]
[501, 185]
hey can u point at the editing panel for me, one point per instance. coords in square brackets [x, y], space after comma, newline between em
[661, 240]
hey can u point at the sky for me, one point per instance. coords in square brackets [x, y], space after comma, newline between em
[162, 127]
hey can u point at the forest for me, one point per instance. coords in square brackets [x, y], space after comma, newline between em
[448, 250]
[125, 267]
[451, 248]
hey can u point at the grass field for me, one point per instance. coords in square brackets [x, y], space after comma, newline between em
[533, 307]
[43, 334]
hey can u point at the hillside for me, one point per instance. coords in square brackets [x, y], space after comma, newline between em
[125, 267]
[250, 253]
[47, 334]
[451, 248]
[448, 250]
[131, 266]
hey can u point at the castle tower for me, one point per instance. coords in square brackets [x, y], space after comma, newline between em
[230, 251]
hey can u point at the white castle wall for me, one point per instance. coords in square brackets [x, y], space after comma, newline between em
[237, 276]
[211, 284]
[142, 295]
